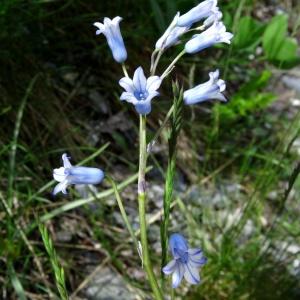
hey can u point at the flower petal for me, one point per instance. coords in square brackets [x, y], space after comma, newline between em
[59, 174]
[66, 161]
[61, 187]
[139, 80]
[170, 267]
[127, 84]
[143, 107]
[197, 13]
[116, 20]
[196, 258]
[153, 83]
[85, 175]
[191, 275]
[129, 97]
[100, 27]
[177, 275]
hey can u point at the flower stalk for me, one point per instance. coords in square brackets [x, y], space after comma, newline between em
[142, 210]
[171, 66]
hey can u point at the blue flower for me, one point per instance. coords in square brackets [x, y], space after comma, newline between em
[216, 15]
[199, 12]
[140, 91]
[68, 175]
[111, 30]
[171, 35]
[212, 89]
[216, 33]
[186, 261]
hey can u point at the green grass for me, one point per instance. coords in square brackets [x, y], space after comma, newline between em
[44, 112]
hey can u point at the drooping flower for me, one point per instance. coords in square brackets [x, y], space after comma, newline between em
[68, 175]
[186, 261]
[140, 91]
[212, 89]
[216, 16]
[199, 12]
[215, 34]
[111, 30]
[171, 35]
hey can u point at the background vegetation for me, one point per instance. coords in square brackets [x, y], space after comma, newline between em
[237, 192]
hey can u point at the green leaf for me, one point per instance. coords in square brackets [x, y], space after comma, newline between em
[280, 49]
[274, 35]
[248, 34]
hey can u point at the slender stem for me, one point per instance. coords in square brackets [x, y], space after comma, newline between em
[153, 69]
[142, 210]
[123, 212]
[170, 67]
[158, 132]
[124, 70]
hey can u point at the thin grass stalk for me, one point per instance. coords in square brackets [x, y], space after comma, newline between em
[169, 182]
[142, 210]
[12, 159]
[123, 212]
[59, 273]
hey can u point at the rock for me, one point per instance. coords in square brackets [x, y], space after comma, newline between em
[108, 285]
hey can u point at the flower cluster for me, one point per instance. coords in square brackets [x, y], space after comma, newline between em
[140, 91]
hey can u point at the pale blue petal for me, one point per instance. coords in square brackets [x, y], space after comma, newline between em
[66, 161]
[196, 258]
[191, 275]
[129, 97]
[85, 175]
[201, 11]
[127, 84]
[177, 244]
[177, 275]
[139, 80]
[143, 107]
[170, 267]
[151, 96]
[153, 83]
[61, 187]
[59, 174]
[199, 43]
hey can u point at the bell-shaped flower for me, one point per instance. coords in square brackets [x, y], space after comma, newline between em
[216, 16]
[212, 89]
[199, 12]
[111, 30]
[171, 35]
[186, 261]
[68, 175]
[140, 91]
[215, 34]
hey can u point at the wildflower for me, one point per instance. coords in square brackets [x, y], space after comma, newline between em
[111, 30]
[216, 33]
[199, 12]
[216, 15]
[140, 91]
[68, 175]
[171, 35]
[186, 261]
[212, 89]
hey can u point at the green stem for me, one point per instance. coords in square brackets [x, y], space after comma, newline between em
[123, 212]
[124, 70]
[158, 132]
[142, 211]
[170, 67]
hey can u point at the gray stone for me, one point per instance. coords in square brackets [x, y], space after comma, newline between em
[108, 285]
